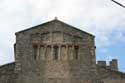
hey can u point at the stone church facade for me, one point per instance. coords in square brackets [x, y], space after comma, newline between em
[55, 52]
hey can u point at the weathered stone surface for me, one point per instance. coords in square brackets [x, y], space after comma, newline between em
[55, 52]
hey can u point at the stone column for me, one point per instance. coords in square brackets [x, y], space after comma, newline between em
[66, 54]
[64, 50]
[52, 52]
[71, 53]
[59, 53]
[48, 52]
[42, 52]
[45, 54]
[38, 53]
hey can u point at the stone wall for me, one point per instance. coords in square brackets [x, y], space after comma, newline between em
[107, 75]
[7, 74]
[36, 54]
[56, 52]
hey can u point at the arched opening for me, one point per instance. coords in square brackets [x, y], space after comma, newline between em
[55, 52]
[76, 52]
[35, 49]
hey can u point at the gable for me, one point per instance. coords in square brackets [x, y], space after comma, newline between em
[56, 24]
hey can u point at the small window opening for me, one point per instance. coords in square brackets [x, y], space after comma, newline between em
[35, 48]
[55, 52]
[76, 52]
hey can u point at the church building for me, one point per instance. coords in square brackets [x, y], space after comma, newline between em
[56, 52]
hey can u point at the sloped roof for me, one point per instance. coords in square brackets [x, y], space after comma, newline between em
[55, 20]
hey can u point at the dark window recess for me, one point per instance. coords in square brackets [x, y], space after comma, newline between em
[76, 52]
[55, 52]
[35, 48]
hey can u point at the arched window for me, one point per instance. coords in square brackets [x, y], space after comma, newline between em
[55, 52]
[35, 49]
[76, 52]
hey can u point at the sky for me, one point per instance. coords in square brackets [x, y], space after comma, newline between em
[102, 18]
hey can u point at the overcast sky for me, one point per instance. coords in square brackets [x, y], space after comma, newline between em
[103, 18]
